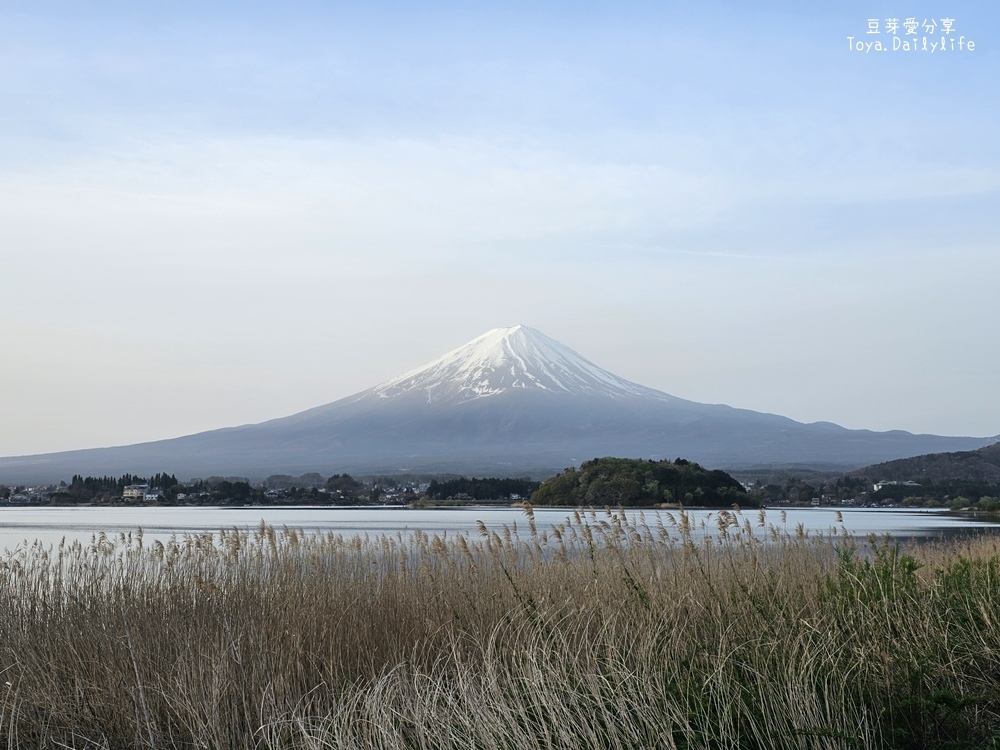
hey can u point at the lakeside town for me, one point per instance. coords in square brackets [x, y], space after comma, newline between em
[345, 490]
[307, 489]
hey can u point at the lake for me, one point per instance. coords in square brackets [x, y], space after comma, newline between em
[22, 525]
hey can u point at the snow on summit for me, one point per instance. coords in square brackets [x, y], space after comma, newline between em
[506, 359]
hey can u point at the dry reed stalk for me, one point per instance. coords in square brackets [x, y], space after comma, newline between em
[602, 632]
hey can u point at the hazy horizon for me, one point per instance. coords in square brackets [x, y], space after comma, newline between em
[218, 215]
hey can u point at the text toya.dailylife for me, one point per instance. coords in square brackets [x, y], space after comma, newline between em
[923, 44]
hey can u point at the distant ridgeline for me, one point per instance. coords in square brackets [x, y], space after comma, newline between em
[638, 482]
[956, 478]
[980, 466]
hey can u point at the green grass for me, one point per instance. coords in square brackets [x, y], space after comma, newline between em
[601, 633]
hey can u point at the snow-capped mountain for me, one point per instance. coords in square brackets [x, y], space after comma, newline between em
[510, 402]
[506, 359]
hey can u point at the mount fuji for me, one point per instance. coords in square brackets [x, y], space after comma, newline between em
[510, 402]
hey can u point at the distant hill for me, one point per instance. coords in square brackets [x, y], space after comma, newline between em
[980, 466]
[632, 482]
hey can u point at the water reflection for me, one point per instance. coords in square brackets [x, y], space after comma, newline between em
[50, 525]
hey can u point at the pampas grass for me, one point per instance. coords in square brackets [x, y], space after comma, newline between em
[603, 632]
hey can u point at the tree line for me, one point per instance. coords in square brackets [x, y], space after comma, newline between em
[84, 489]
[482, 490]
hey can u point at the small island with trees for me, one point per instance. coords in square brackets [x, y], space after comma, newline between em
[633, 482]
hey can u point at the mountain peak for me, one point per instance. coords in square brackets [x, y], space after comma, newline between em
[509, 359]
[510, 400]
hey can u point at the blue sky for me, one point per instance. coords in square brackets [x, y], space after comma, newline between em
[218, 215]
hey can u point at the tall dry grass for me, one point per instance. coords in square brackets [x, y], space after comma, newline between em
[600, 633]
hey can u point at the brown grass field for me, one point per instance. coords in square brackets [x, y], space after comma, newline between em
[602, 633]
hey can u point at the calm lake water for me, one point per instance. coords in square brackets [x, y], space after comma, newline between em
[20, 526]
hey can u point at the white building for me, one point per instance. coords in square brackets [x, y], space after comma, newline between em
[135, 492]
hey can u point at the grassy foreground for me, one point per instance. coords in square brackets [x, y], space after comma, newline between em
[600, 634]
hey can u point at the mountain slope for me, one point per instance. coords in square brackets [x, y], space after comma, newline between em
[511, 401]
[981, 466]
